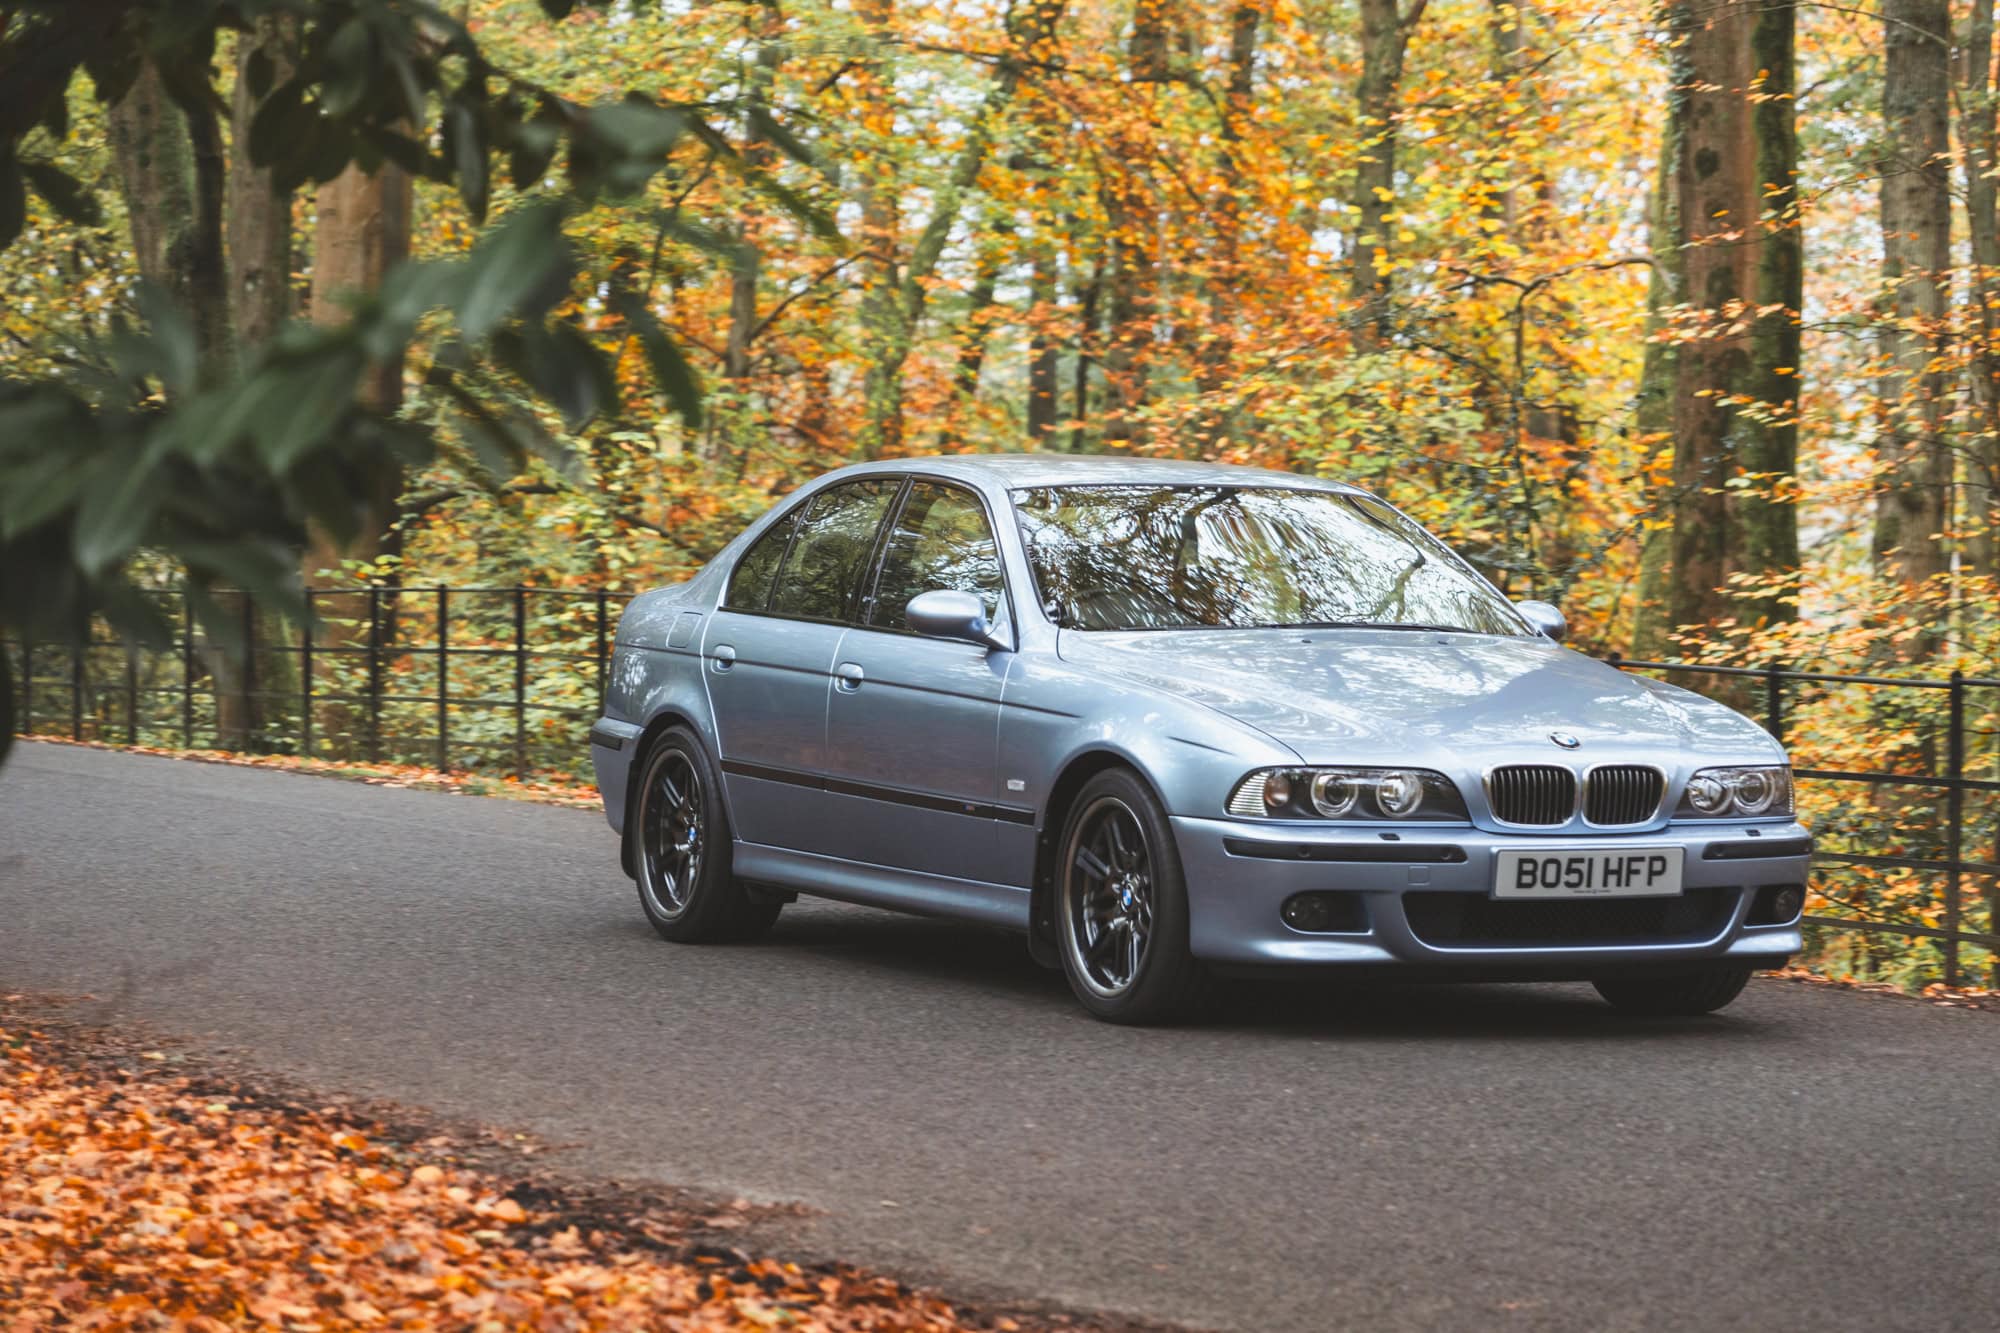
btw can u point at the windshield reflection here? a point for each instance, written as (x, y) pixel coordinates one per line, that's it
(1187, 557)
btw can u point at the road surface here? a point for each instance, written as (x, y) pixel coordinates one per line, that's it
(1451, 1157)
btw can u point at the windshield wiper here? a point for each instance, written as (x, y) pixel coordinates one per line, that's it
(1366, 624)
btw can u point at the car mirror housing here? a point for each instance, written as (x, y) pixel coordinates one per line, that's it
(1546, 618)
(945, 613)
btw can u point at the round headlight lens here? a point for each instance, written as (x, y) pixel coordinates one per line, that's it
(1398, 794)
(1334, 794)
(1278, 791)
(1756, 789)
(1707, 793)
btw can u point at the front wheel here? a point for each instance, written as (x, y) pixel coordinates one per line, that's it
(1681, 996)
(1121, 906)
(686, 884)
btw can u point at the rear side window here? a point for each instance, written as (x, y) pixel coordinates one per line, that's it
(835, 540)
(750, 585)
(941, 540)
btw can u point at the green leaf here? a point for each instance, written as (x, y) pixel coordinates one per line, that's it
(518, 259)
(349, 69)
(64, 194)
(465, 148)
(767, 127)
(170, 349)
(280, 123)
(117, 509)
(309, 400)
(676, 378)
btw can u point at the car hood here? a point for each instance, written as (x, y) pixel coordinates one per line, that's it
(1356, 696)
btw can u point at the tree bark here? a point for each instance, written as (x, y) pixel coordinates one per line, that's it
(1977, 131)
(1385, 38)
(1653, 412)
(259, 214)
(1041, 415)
(1133, 223)
(1911, 511)
(1226, 268)
(170, 171)
(1731, 207)
(745, 267)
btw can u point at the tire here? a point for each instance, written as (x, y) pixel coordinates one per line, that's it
(1122, 909)
(681, 850)
(1683, 996)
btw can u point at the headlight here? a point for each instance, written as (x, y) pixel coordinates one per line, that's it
(1347, 793)
(1734, 793)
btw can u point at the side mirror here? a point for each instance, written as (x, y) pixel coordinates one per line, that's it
(1546, 618)
(948, 614)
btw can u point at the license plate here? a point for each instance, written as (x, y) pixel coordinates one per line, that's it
(1564, 872)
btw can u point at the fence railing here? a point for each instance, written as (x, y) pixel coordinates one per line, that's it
(1949, 777)
(506, 679)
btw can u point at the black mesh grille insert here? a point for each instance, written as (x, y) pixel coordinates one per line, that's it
(1623, 794)
(1535, 794)
(1473, 918)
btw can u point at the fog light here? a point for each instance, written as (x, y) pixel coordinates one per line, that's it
(1325, 913)
(1778, 905)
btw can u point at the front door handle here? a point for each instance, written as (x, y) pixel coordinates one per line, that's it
(722, 657)
(847, 677)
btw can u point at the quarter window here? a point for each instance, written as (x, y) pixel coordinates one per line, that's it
(835, 540)
(941, 540)
(750, 584)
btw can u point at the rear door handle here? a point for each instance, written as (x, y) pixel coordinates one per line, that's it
(722, 657)
(847, 676)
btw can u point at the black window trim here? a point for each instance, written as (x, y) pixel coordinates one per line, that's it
(874, 579)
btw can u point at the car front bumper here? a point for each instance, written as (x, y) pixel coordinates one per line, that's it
(1240, 873)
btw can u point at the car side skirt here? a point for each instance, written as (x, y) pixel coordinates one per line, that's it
(883, 886)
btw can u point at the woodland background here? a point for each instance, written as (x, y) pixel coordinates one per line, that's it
(1685, 315)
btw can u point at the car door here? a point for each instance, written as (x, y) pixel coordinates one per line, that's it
(913, 721)
(769, 654)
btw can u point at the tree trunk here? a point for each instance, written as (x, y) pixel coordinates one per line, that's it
(1911, 500)
(1735, 374)
(1385, 37)
(363, 231)
(170, 171)
(1133, 223)
(1226, 268)
(259, 214)
(1654, 410)
(1087, 298)
(1041, 417)
(744, 268)
(1977, 132)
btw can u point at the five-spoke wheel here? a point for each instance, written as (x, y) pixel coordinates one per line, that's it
(682, 839)
(1122, 905)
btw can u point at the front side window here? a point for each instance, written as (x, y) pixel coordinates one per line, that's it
(836, 537)
(941, 540)
(750, 583)
(1183, 557)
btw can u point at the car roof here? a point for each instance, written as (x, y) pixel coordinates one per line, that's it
(1051, 469)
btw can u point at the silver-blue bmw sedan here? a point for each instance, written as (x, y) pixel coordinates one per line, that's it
(1178, 720)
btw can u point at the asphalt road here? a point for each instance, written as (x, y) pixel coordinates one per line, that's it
(1448, 1157)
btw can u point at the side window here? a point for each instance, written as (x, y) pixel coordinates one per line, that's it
(941, 541)
(836, 538)
(750, 583)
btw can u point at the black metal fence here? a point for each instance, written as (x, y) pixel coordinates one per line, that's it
(1934, 838)
(506, 680)
(494, 679)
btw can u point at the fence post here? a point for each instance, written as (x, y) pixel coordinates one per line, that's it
(1954, 824)
(374, 673)
(27, 684)
(444, 678)
(76, 655)
(131, 692)
(603, 662)
(187, 669)
(520, 682)
(247, 693)
(1774, 702)
(306, 680)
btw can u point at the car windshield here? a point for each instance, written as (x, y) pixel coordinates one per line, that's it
(1183, 557)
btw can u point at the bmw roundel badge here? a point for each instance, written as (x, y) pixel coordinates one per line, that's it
(1564, 739)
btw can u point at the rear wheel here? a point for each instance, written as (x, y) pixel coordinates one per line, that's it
(682, 850)
(1683, 995)
(1121, 906)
